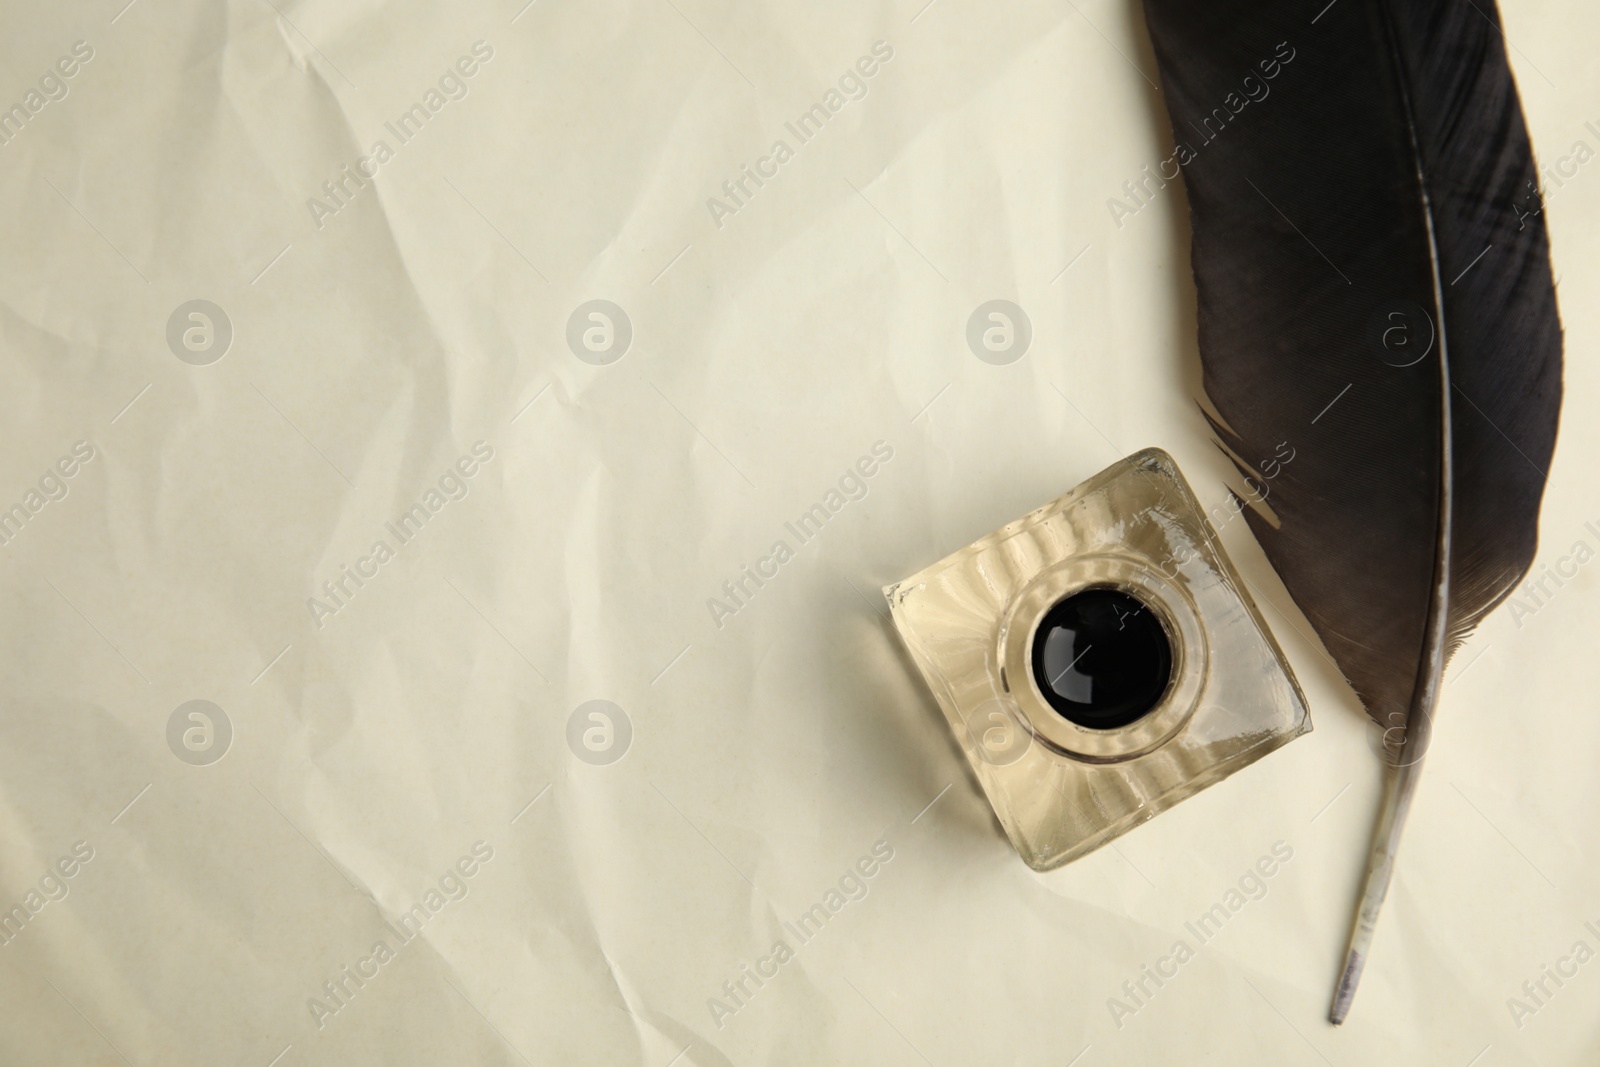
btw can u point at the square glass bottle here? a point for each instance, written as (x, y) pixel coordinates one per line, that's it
(1075, 746)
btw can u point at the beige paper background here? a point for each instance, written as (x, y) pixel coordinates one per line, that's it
(369, 754)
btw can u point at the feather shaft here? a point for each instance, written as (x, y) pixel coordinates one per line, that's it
(1399, 786)
(1401, 775)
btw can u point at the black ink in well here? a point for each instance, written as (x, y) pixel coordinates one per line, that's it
(1102, 658)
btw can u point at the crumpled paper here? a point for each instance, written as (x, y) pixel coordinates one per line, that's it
(451, 461)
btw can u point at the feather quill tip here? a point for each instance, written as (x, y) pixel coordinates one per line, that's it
(1346, 993)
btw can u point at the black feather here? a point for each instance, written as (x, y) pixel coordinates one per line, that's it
(1377, 188)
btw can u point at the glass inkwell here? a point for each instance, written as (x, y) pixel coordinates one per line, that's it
(1099, 660)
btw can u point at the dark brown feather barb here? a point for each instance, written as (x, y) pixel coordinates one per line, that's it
(1374, 289)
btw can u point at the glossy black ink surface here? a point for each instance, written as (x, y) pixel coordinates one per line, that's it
(1102, 658)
